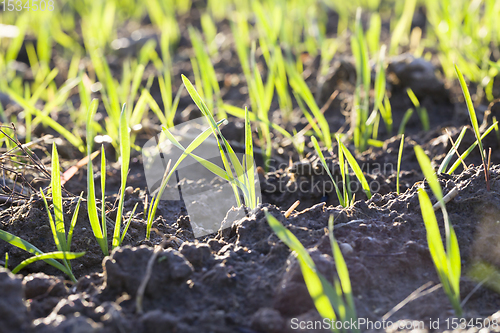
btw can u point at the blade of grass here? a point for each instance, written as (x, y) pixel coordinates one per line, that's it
(406, 117)
(400, 154)
(28, 247)
(97, 228)
(73, 222)
(125, 159)
(472, 112)
(470, 149)
(325, 166)
(128, 223)
(448, 264)
(45, 256)
(449, 156)
(357, 170)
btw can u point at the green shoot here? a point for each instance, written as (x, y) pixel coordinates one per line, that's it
(28, 247)
(475, 125)
(357, 170)
(62, 242)
(386, 112)
(348, 199)
(400, 154)
(6, 265)
(497, 130)
(447, 263)
(470, 149)
(242, 181)
(300, 87)
(422, 112)
(332, 302)
(124, 233)
(98, 229)
(45, 256)
(125, 159)
(325, 166)
(405, 119)
(449, 156)
(362, 128)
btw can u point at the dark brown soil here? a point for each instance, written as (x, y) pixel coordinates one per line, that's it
(244, 279)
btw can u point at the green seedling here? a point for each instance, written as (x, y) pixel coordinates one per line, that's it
(386, 113)
(333, 302)
(470, 149)
(475, 125)
(400, 155)
(301, 89)
(49, 258)
(348, 198)
(243, 177)
(118, 234)
(362, 129)
(405, 119)
(63, 242)
(447, 263)
(99, 228)
(452, 151)
(325, 166)
(355, 167)
(421, 111)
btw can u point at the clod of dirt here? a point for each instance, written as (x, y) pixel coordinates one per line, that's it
(198, 254)
(405, 71)
(14, 314)
(124, 270)
(43, 292)
(41, 284)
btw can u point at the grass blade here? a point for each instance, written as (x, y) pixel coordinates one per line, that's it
(96, 226)
(128, 223)
(311, 276)
(405, 119)
(472, 112)
(57, 225)
(400, 154)
(470, 149)
(429, 173)
(449, 156)
(325, 166)
(28, 247)
(49, 255)
(125, 159)
(357, 170)
(448, 265)
(73, 222)
(249, 160)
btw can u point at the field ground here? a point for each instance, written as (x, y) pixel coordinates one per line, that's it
(244, 278)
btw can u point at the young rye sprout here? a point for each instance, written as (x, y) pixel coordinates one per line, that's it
(332, 302)
(475, 125)
(242, 179)
(346, 199)
(400, 155)
(448, 264)
(63, 242)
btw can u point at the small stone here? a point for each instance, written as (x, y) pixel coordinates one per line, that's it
(346, 248)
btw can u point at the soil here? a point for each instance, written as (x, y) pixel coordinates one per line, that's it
(243, 278)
